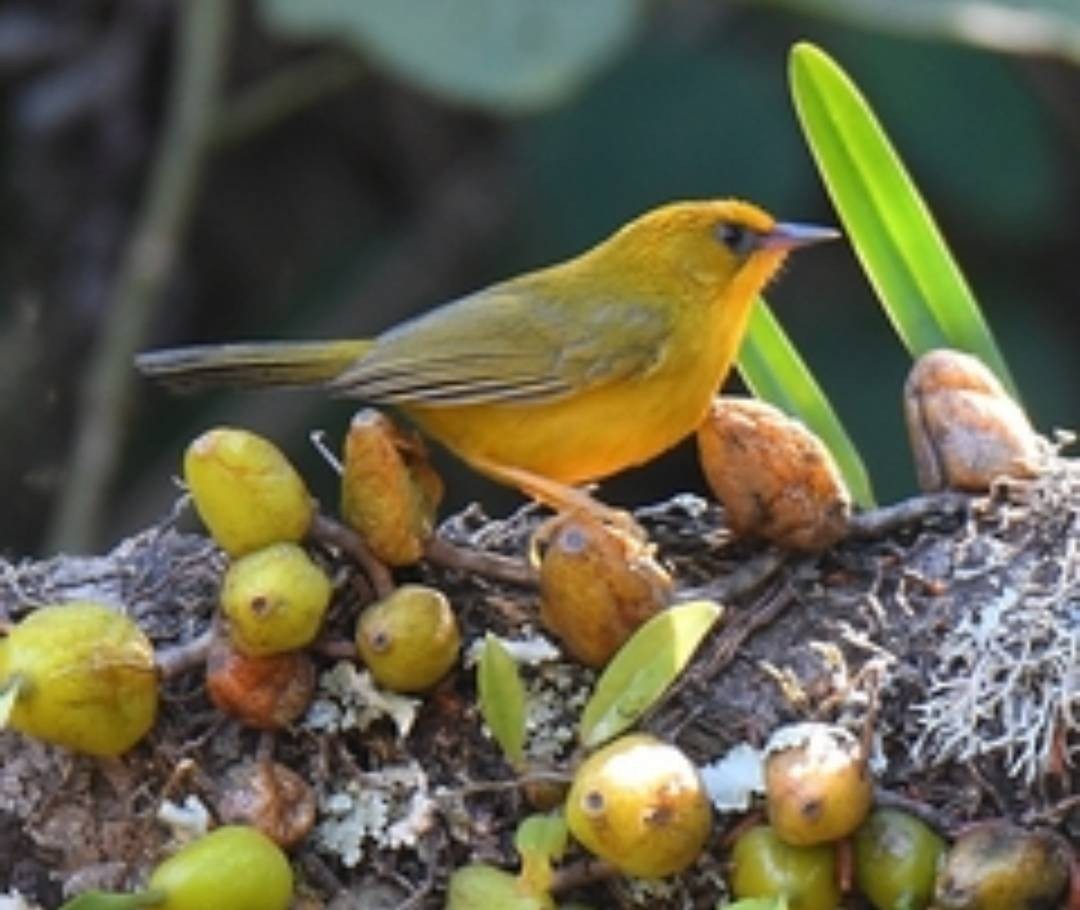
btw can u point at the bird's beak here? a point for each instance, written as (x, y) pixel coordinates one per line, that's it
(788, 236)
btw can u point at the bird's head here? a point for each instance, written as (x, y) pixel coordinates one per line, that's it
(720, 246)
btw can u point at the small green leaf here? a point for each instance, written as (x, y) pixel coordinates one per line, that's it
(773, 370)
(893, 233)
(543, 833)
(108, 900)
(540, 839)
(643, 669)
(775, 902)
(502, 698)
(9, 694)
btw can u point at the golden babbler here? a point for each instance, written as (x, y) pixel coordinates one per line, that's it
(563, 375)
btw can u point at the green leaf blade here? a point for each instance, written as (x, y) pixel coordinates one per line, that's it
(643, 669)
(891, 229)
(773, 370)
(502, 698)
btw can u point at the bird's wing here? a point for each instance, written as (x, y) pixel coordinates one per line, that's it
(508, 343)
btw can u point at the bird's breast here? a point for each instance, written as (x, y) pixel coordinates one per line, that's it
(595, 432)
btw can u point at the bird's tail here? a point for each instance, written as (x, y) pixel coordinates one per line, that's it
(250, 365)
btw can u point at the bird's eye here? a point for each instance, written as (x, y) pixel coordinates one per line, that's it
(740, 240)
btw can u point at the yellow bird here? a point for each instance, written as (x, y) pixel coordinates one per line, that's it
(560, 376)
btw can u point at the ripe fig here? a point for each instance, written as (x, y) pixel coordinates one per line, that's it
(275, 600)
(896, 859)
(409, 640)
(389, 491)
(85, 675)
(1000, 866)
(640, 804)
(245, 490)
(267, 693)
(234, 866)
(776, 479)
(597, 586)
(965, 430)
(762, 865)
(817, 785)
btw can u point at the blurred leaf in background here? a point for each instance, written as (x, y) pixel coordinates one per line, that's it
(506, 56)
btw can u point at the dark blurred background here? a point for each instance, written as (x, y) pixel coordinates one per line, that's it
(216, 169)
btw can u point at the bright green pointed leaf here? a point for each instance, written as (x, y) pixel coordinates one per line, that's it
(502, 698)
(643, 669)
(107, 900)
(890, 227)
(508, 56)
(773, 370)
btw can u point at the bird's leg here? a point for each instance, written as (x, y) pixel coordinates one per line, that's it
(559, 496)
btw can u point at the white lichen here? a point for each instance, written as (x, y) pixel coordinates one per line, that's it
(1006, 678)
(530, 651)
(390, 809)
(732, 780)
(186, 821)
(554, 700)
(826, 744)
(348, 699)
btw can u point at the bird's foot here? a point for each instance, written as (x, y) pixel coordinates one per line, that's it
(563, 499)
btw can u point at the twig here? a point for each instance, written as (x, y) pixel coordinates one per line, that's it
(1055, 814)
(988, 788)
(502, 568)
(882, 521)
(727, 644)
(321, 874)
(335, 648)
(582, 873)
(283, 94)
(501, 786)
(333, 533)
(746, 578)
(148, 259)
(174, 660)
(746, 623)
